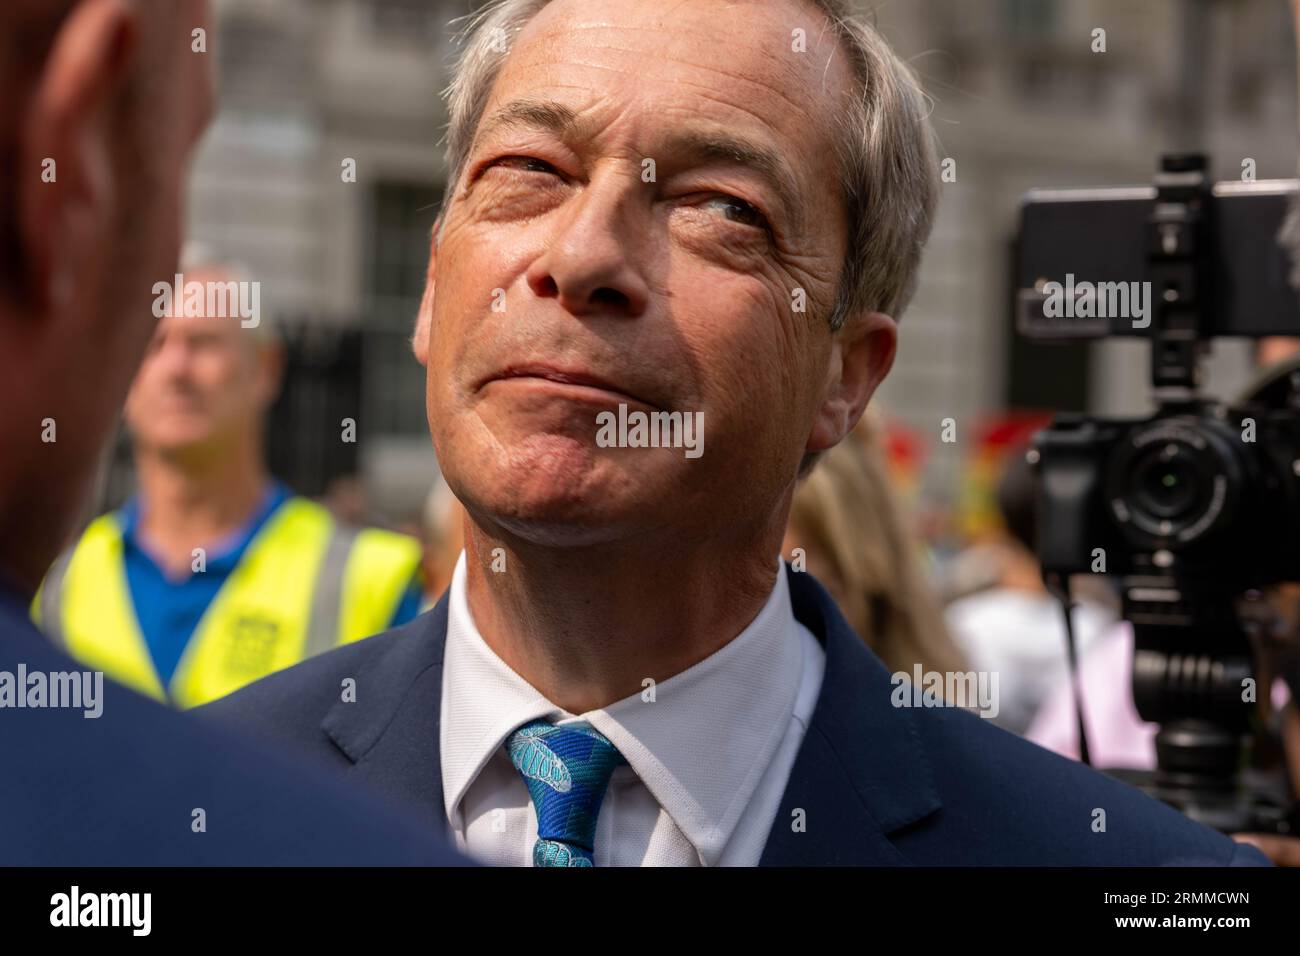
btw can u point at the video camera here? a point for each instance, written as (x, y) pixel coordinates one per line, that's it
(1197, 507)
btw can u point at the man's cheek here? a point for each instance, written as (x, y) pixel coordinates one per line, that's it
(440, 388)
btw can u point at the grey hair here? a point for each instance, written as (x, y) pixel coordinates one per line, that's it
(885, 147)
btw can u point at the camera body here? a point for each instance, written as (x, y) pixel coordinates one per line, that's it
(1200, 491)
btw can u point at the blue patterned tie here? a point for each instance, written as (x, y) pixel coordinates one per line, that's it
(567, 770)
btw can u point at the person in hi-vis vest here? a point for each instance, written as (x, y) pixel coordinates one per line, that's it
(215, 575)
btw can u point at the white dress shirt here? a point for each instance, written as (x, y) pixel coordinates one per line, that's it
(708, 758)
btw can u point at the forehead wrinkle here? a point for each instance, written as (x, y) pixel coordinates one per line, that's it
(557, 34)
(710, 91)
(759, 80)
(788, 67)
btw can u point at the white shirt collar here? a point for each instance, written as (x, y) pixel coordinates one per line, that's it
(700, 748)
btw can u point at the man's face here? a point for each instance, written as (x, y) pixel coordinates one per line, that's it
(204, 382)
(606, 246)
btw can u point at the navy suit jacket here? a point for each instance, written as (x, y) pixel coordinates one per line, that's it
(877, 785)
(121, 789)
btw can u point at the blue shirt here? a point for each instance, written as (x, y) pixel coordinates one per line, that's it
(169, 610)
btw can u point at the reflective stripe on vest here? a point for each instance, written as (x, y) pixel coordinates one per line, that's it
(303, 585)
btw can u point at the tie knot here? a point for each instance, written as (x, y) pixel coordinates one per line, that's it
(567, 771)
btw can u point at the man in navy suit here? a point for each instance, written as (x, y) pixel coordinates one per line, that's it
(662, 228)
(104, 100)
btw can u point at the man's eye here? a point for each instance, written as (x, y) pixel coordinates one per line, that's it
(740, 211)
(528, 164)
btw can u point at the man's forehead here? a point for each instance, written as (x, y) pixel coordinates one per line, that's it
(728, 61)
(177, 322)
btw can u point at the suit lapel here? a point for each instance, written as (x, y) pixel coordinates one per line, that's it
(390, 733)
(862, 771)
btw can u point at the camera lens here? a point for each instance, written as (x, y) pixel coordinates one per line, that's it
(1174, 481)
(1166, 484)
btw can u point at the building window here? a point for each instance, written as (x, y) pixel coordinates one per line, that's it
(401, 218)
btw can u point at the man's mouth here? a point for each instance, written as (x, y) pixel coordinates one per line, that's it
(577, 382)
(176, 402)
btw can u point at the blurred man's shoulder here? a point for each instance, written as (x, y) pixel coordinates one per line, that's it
(123, 780)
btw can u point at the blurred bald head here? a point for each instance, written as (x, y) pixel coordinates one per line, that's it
(104, 102)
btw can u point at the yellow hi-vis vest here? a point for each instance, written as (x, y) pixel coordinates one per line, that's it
(305, 584)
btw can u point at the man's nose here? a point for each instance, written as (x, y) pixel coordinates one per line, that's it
(596, 260)
(173, 356)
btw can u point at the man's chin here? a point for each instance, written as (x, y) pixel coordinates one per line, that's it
(569, 509)
(553, 532)
(179, 443)
(562, 523)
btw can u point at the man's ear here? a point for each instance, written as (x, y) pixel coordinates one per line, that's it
(424, 318)
(66, 188)
(862, 353)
